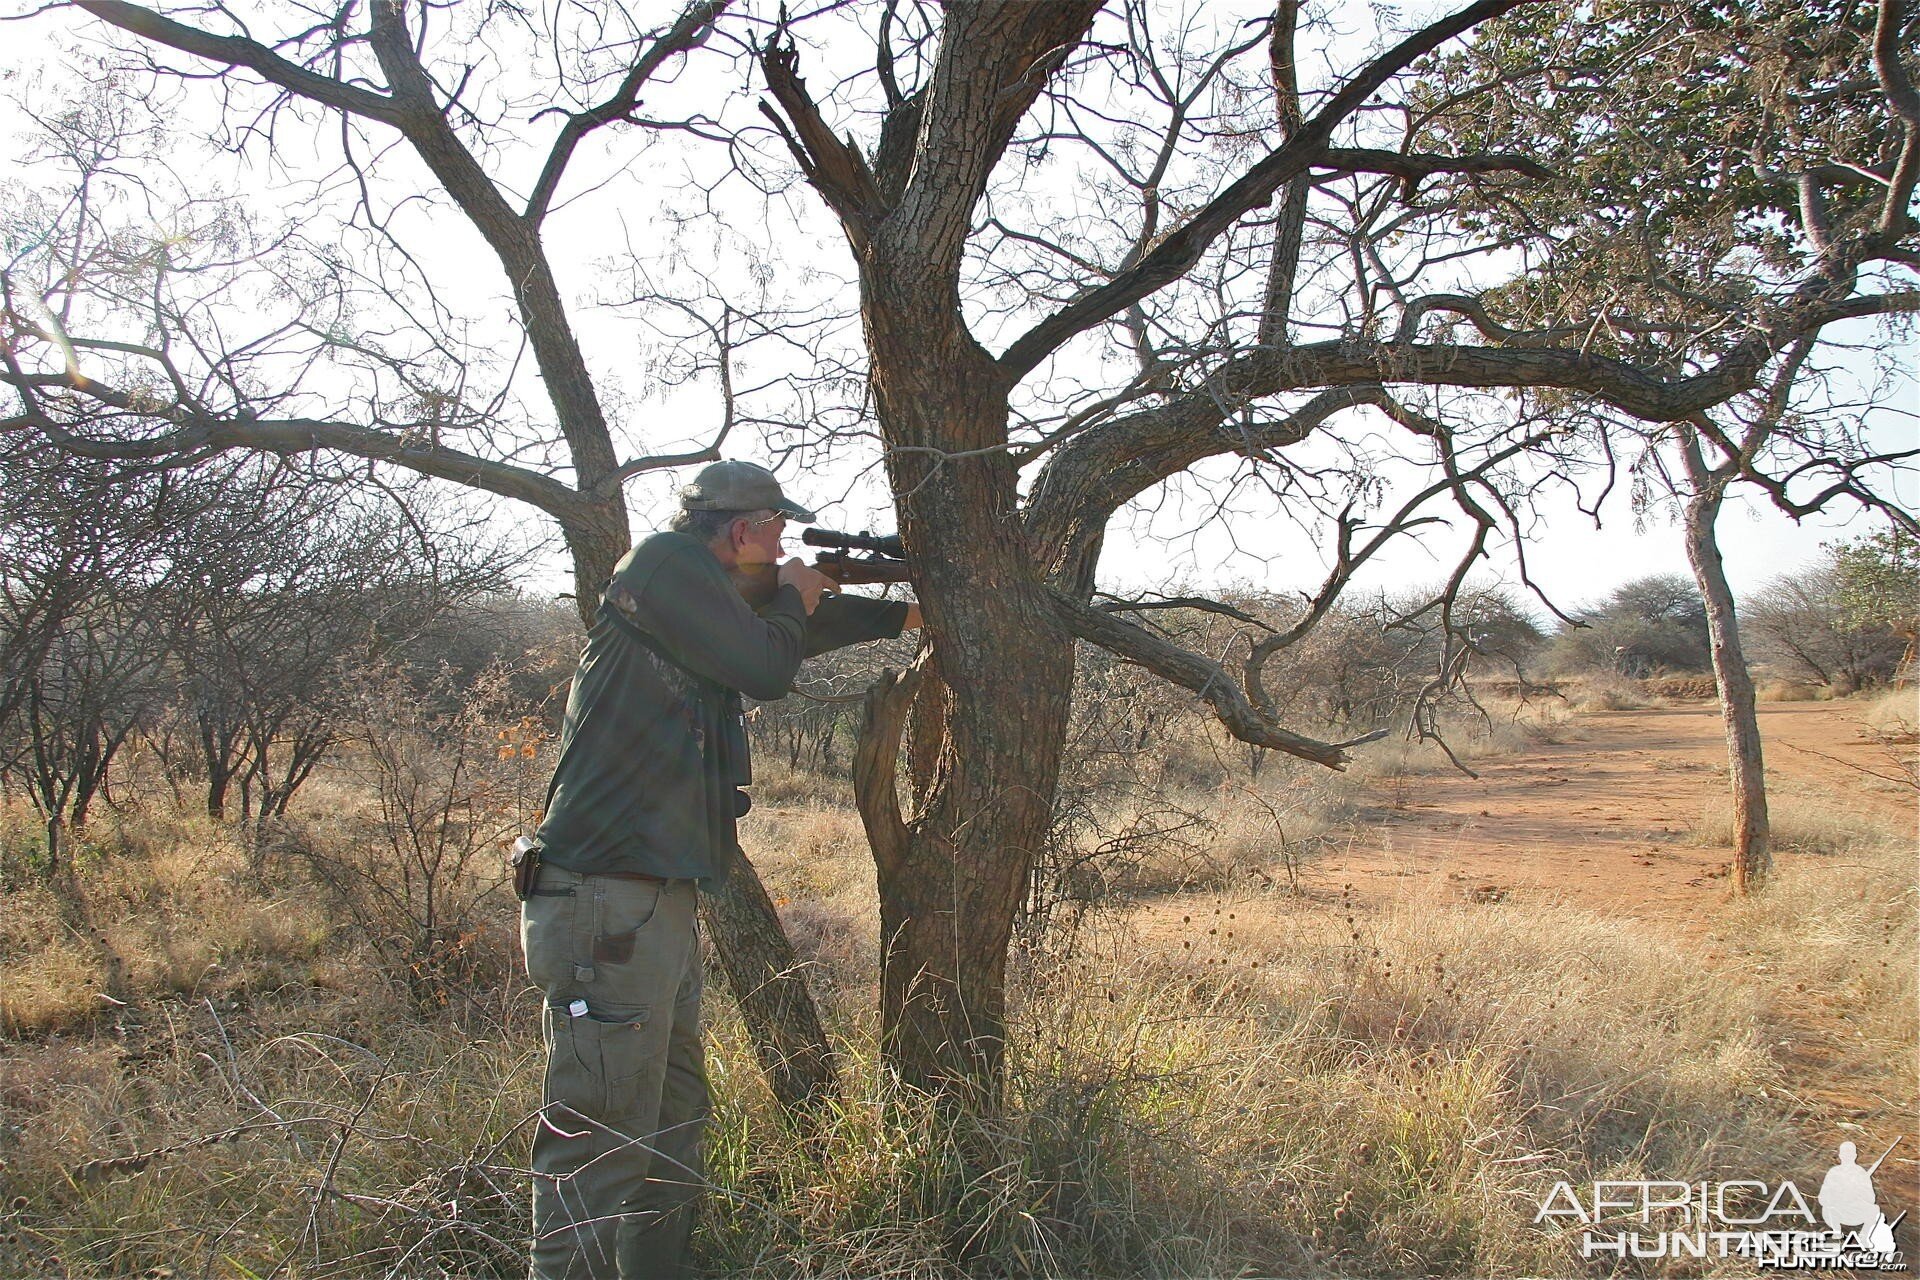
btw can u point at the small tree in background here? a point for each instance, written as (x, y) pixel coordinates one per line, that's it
(1648, 626)
(1845, 623)
(455, 771)
(1695, 229)
(294, 589)
(215, 609)
(1878, 583)
(85, 636)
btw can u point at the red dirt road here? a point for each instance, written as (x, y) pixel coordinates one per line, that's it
(1607, 821)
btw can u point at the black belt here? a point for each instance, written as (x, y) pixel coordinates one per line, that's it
(634, 875)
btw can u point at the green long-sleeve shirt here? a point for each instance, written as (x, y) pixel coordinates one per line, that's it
(653, 748)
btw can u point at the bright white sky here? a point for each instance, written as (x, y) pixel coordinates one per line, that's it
(1570, 558)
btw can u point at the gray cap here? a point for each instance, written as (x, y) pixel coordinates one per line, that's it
(740, 486)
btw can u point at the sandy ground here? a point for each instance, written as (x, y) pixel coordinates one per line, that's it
(1605, 822)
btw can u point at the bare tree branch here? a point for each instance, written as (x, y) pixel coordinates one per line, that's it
(1203, 676)
(1114, 604)
(1093, 475)
(1175, 255)
(833, 166)
(995, 58)
(688, 32)
(1283, 265)
(237, 51)
(201, 436)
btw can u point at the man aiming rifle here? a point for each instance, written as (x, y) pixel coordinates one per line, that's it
(641, 812)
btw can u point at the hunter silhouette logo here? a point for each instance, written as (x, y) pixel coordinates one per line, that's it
(1773, 1224)
(1848, 1205)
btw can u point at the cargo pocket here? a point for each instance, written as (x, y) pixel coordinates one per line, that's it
(633, 1060)
(599, 1067)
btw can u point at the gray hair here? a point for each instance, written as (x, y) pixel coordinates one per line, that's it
(705, 526)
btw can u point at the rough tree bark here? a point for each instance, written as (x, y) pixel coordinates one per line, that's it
(989, 730)
(1746, 769)
(769, 985)
(952, 877)
(989, 707)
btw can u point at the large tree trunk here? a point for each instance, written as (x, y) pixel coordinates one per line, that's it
(991, 717)
(1746, 771)
(989, 725)
(596, 548)
(953, 877)
(952, 887)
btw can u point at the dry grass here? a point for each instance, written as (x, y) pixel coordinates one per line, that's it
(1262, 826)
(1389, 1092)
(150, 911)
(1607, 691)
(364, 1154)
(1804, 824)
(814, 860)
(1275, 1086)
(1784, 690)
(1834, 938)
(1277, 1083)
(1894, 716)
(1268, 833)
(1679, 690)
(1604, 691)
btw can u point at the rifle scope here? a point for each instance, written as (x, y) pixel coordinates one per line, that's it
(879, 544)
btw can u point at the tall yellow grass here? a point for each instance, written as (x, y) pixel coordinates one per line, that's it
(1227, 1079)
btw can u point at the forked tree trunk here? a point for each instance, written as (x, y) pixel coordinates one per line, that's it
(951, 888)
(989, 727)
(953, 875)
(1746, 770)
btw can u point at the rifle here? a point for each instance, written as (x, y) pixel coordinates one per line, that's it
(885, 560)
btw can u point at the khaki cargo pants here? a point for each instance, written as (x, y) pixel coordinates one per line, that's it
(617, 1152)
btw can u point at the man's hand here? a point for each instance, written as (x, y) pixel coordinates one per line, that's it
(807, 580)
(913, 617)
